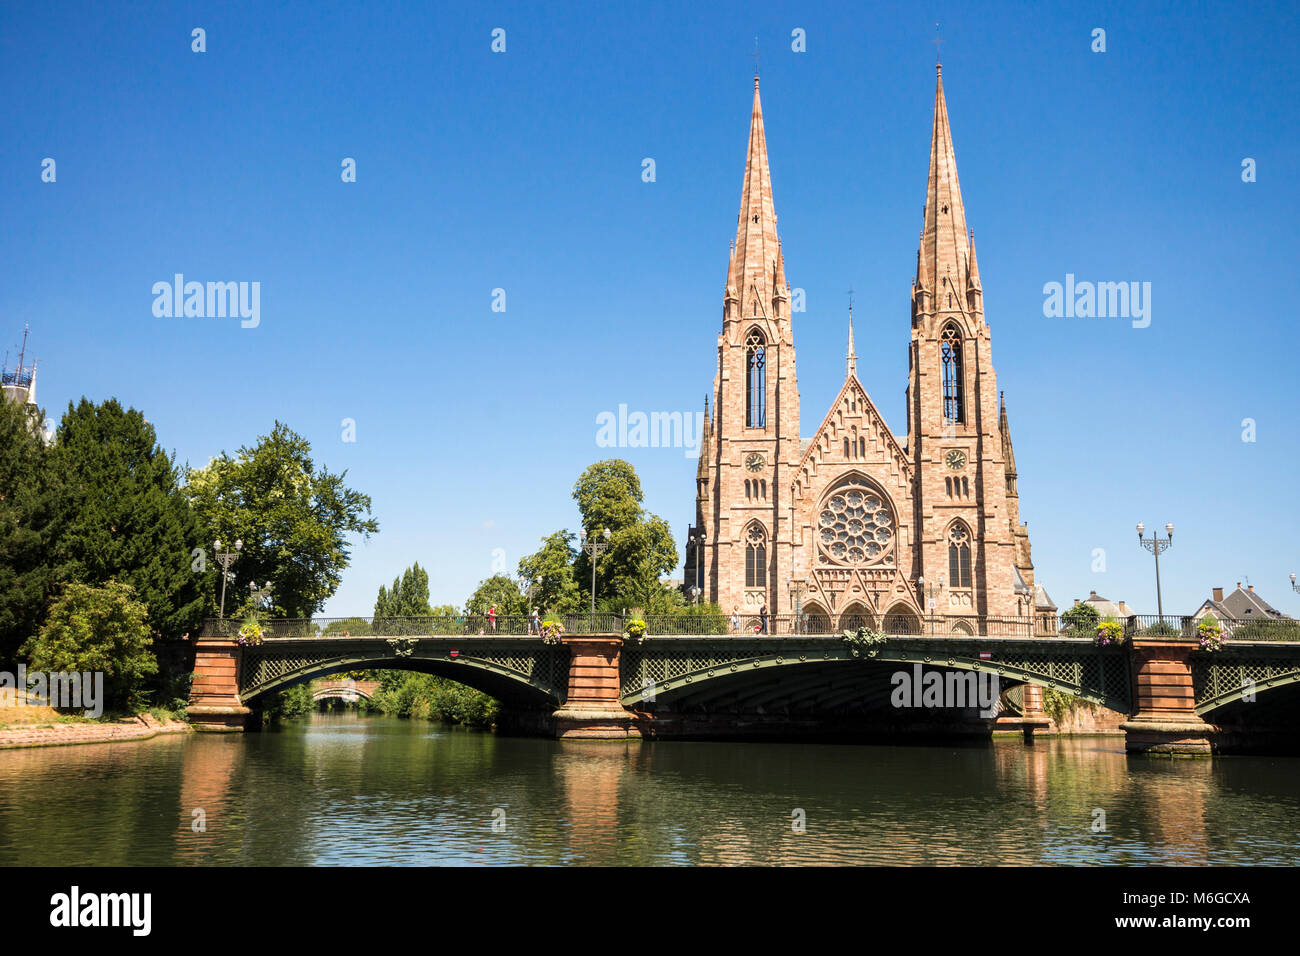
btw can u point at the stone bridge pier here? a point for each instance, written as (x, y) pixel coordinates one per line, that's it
(1164, 717)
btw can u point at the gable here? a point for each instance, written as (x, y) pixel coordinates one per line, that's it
(873, 448)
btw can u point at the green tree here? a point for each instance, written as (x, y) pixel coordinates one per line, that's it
(98, 629)
(124, 517)
(1082, 619)
(293, 519)
(28, 508)
(500, 590)
(641, 547)
(550, 569)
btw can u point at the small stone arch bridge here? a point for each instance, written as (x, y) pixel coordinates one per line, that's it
(592, 681)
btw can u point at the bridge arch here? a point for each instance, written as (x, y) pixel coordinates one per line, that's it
(814, 668)
(524, 676)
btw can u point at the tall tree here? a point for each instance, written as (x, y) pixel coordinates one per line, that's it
(27, 513)
(550, 570)
(409, 596)
(292, 518)
(641, 545)
(124, 517)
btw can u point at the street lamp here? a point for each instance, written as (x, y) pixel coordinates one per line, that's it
(928, 597)
(259, 594)
(594, 548)
(698, 540)
(1294, 586)
(226, 559)
(1155, 544)
(796, 589)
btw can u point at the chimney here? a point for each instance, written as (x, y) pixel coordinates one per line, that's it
(1218, 595)
(1092, 595)
(1250, 588)
(1238, 585)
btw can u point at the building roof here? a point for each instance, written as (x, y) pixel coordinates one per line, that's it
(1244, 604)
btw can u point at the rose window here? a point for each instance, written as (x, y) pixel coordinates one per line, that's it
(856, 526)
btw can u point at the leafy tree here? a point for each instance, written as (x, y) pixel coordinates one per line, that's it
(98, 629)
(28, 503)
(124, 517)
(641, 545)
(1081, 619)
(550, 569)
(500, 590)
(293, 519)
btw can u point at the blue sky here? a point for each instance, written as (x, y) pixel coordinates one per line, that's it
(522, 171)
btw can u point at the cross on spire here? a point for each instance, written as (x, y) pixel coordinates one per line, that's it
(755, 55)
(938, 48)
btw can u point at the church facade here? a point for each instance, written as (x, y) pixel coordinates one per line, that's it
(856, 524)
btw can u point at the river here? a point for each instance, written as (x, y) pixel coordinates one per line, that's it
(348, 790)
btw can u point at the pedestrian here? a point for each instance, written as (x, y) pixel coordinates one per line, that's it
(492, 618)
(762, 619)
(735, 620)
(535, 623)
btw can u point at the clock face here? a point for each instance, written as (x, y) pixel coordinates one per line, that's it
(955, 459)
(754, 461)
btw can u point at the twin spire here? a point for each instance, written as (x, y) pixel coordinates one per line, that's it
(945, 262)
(756, 275)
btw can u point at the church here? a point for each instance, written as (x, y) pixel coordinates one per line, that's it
(856, 524)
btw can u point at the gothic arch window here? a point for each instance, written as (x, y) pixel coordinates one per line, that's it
(965, 487)
(856, 525)
(862, 448)
(846, 448)
(947, 483)
(746, 489)
(756, 557)
(756, 379)
(763, 491)
(954, 397)
(959, 542)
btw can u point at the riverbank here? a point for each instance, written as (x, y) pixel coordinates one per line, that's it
(141, 727)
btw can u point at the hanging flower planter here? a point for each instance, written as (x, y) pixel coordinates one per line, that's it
(1110, 634)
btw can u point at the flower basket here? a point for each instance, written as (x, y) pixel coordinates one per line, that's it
(635, 631)
(552, 631)
(250, 633)
(1110, 634)
(1209, 634)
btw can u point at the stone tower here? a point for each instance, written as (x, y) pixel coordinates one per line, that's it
(969, 535)
(751, 441)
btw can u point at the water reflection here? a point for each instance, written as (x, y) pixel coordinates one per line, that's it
(348, 790)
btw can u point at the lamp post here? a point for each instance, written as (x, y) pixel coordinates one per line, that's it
(259, 594)
(928, 597)
(594, 548)
(796, 589)
(225, 559)
(1155, 544)
(1294, 586)
(698, 540)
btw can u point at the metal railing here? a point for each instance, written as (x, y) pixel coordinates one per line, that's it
(1140, 626)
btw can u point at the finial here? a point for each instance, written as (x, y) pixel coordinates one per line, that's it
(938, 49)
(755, 55)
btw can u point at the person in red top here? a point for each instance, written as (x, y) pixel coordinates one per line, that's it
(492, 618)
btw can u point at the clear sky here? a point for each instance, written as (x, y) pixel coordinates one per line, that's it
(522, 171)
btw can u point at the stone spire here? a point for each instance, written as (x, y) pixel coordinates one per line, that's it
(756, 263)
(1008, 454)
(944, 258)
(852, 369)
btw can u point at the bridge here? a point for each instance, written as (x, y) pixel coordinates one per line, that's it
(346, 690)
(699, 675)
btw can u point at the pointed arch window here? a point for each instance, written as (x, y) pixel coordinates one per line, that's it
(959, 540)
(756, 380)
(954, 392)
(756, 557)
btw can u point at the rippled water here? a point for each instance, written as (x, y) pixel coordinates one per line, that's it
(351, 790)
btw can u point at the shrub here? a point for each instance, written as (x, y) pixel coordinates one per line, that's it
(98, 629)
